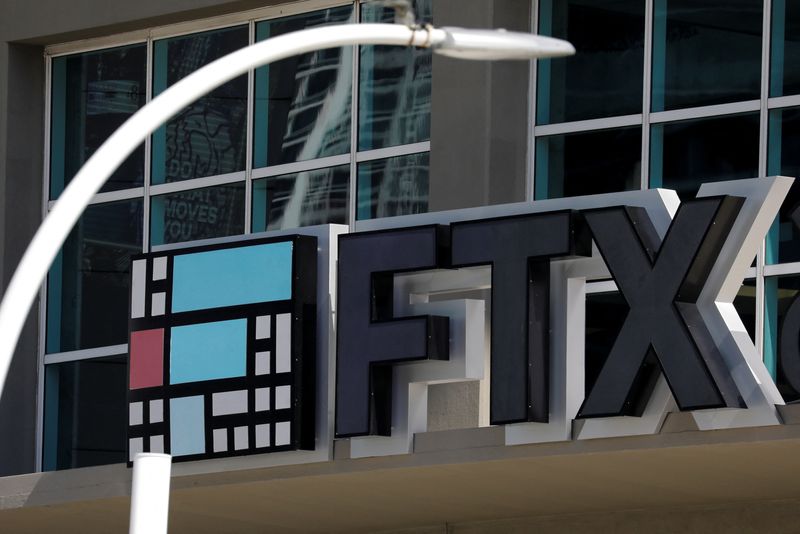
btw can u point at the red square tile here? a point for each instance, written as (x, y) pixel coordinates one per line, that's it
(147, 358)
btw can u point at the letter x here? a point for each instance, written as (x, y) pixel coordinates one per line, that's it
(661, 284)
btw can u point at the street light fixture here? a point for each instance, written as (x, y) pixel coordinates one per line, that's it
(32, 269)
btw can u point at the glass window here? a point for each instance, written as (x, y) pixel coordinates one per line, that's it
(588, 163)
(197, 214)
(301, 199)
(783, 240)
(85, 419)
(785, 48)
(394, 86)
(393, 186)
(705, 52)
(302, 104)
(745, 304)
(779, 292)
(685, 154)
(88, 285)
(209, 136)
(605, 77)
(92, 95)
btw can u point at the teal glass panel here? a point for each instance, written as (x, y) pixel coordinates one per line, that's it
(187, 426)
(89, 282)
(92, 94)
(591, 163)
(208, 137)
(207, 351)
(302, 104)
(394, 94)
(685, 154)
(706, 53)
(85, 413)
(783, 240)
(605, 77)
(232, 276)
(393, 186)
(301, 199)
(785, 48)
(779, 292)
(197, 214)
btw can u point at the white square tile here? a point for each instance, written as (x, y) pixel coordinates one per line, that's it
(283, 434)
(263, 327)
(159, 268)
(240, 440)
(136, 413)
(220, 439)
(262, 399)
(283, 397)
(135, 446)
(262, 435)
(157, 411)
(262, 363)
(157, 443)
(159, 304)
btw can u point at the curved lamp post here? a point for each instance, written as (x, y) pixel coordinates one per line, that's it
(35, 263)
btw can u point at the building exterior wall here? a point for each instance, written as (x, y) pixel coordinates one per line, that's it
(493, 140)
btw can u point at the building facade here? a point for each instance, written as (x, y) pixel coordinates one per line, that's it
(661, 94)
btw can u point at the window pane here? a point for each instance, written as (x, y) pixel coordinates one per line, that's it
(785, 48)
(779, 292)
(197, 214)
(588, 163)
(685, 154)
(290, 96)
(85, 419)
(393, 186)
(783, 240)
(394, 86)
(301, 199)
(605, 77)
(208, 137)
(706, 52)
(88, 285)
(92, 95)
(745, 304)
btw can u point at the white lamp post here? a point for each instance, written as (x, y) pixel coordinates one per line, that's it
(35, 263)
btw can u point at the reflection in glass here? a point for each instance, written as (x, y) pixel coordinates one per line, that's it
(85, 413)
(783, 240)
(88, 284)
(605, 77)
(302, 104)
(302, 199)
(197, 214)
(393, 186)
(209, 136)
(785, 48)
(685, 154)
(92, 95)
(779, 292)
(706, 53)
(394, 86)
(589, 163)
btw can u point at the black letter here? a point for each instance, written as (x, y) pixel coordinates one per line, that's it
(519, 250)
(369, 340)
(661, 287)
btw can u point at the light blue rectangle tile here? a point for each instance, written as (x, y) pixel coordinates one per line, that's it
(233, 276)
(208, 351)
(187, 426)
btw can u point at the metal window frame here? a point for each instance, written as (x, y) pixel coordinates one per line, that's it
(148, 191)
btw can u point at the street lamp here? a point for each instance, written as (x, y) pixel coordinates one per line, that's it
(35, 263)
